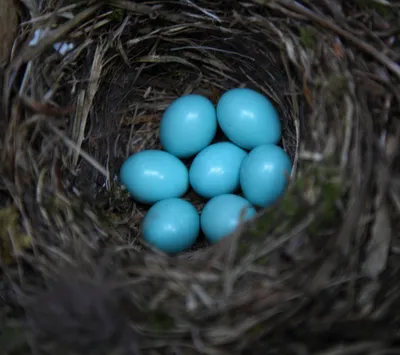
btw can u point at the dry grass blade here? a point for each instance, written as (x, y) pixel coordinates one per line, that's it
(64, 11)
(85, 104)
(79, 151)
(355, 349)
(379, 246)
(164, 59)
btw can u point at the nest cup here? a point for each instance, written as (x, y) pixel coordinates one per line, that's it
(132, 86)
(70, 233)
(173, 62)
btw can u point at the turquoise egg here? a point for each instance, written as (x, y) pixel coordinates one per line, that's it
(248, 118)
(154, 175)
(171, 225)
(221, 216)
(215, 170)
(188, 125)
(264, 174)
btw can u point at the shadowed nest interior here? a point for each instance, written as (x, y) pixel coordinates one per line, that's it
(314, 274)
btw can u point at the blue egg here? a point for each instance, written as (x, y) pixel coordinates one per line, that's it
(188, 125)
(264, 174)
(171, 225)
(154, 175)
(221, 216)
(248, 118)
(215, 170)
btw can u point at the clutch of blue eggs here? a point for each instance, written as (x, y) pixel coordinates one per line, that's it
(250, 160)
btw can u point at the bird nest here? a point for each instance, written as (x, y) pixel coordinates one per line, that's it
(314, 274)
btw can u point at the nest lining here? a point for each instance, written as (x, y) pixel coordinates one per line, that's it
(307, 274)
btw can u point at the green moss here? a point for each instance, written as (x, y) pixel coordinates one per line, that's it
(308, 37)
(243, 247)
(178, 74)
(264, 224)
(337, 82)
(263, 261)
(161, 321)
(257, 330)
(327, 212)
(118, 194)
(290, 209)
(10, 226)
(13, 339)
(300, 183)
(116, 205)
(335, 86)
(289, 206)
(118, 15)
(317, 190)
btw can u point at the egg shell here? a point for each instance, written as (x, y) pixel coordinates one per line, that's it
(221, 216)
(188, 125)
(248, 118)
(171, 225)
(215, 170)
(154, 175)
(264, 174)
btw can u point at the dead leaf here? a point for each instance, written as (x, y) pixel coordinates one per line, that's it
(8, 29)
(85, 102)
(45, 108)
(215, 94)
(338, 48)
